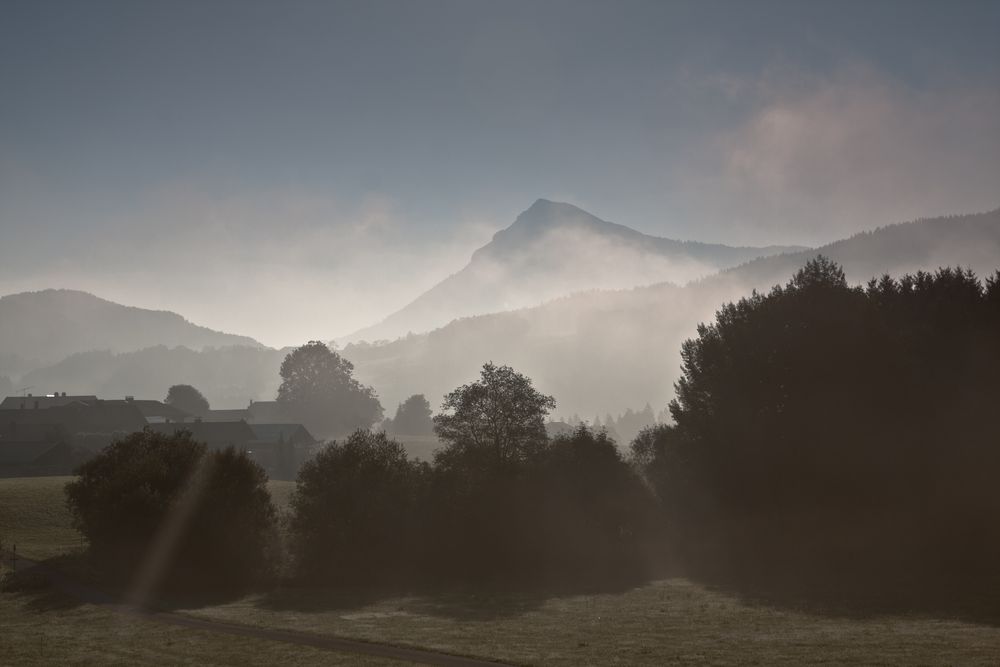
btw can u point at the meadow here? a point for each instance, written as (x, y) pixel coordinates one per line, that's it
(669, 621)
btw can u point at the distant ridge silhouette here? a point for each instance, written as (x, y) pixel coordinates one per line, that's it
(553, 249)
(608, 350)
(49, 325)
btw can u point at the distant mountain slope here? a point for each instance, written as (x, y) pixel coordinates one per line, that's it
(970, 240)
(551, 250)
(597, 352)
(229, 377)
(43, 327)
(604, 351)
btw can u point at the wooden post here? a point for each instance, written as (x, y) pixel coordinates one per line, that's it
(13, 559)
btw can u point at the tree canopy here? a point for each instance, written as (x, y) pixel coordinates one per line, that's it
(828, 425)
(413, 417)
(187, 398)
(318, 389)
(353, 510)
(207, 515)
(500, 418)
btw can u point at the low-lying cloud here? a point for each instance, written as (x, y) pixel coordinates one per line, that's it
(281, 265)
(820, 158)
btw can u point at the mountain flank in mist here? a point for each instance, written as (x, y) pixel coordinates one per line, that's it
(551, 250)
(38, 328)
(609, 350)
(597, 351)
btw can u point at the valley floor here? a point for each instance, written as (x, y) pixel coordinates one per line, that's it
(671, 621)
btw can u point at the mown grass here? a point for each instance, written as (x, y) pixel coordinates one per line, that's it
(34, 517)
(672, 621)
(47, 629)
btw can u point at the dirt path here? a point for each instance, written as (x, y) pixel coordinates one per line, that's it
(408, 654)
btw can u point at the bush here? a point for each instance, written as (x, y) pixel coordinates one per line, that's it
(355, 511)
(207, 515)
(574, 510)
(593, 512)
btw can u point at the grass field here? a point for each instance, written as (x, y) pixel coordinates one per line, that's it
(665, 622)
(51, 630)
(33, 516)
(671, 621)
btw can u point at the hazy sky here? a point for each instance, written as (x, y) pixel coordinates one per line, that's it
(295, 170)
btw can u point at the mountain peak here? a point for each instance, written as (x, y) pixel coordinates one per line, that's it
(548, 212)
(47, 325)
(538, 220)
(547, 208)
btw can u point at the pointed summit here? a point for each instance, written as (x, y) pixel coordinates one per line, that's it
(553, 249)
(546, 209)
(542, 218)
(546, 212)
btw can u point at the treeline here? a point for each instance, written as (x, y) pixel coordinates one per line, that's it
(626, 427)
(821, 432)
(500, 501)
(824, 432)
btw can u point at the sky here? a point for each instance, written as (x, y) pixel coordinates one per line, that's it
(298, 170)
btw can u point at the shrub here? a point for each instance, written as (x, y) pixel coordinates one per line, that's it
(354, 511)
(206, 516)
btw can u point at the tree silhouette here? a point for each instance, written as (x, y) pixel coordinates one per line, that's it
(500, 418)
(413, 417)
(318, 389)
(187, 398)
(123, 497)
(825, 427)
(354, 508)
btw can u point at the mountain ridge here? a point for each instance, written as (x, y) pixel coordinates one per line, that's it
(550, 250)
(594, 350)
(609, 350)
(45, 326)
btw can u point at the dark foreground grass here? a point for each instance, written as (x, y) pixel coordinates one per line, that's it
(47, 629)
(34, 517)
(671, 621)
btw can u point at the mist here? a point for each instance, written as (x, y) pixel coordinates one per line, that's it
(463, 332)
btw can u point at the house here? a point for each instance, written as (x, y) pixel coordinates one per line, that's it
(295, 434)
(258, 412)
(62, 421)
(31, 402)
(54, 439)
(157, 412)
(267, 412)
(152, 411)
(217, 435)
(53, 434)
(34, 459)
(281, 449)
(225, 416)
(278, 448)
